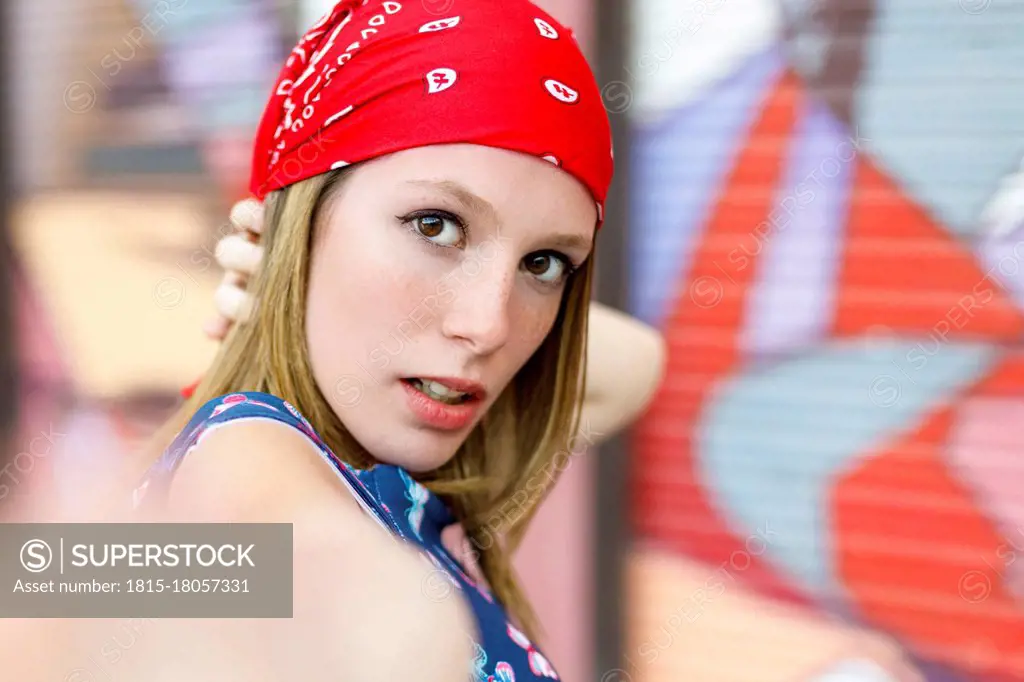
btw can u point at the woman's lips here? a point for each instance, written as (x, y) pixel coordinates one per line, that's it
(439, 415)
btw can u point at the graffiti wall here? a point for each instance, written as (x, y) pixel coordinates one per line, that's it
(828, 226)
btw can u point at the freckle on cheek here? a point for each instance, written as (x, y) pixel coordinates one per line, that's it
(534, 328)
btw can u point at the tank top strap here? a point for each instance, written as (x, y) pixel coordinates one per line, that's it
(236, 407)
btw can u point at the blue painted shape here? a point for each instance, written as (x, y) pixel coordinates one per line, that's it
(941, 104)
(678, 168)
(772, 440)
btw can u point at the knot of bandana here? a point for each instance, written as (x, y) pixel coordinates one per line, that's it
(374, 77)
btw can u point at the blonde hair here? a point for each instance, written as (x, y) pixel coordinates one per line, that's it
(515, 447)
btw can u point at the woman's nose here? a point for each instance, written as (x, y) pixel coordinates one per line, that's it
(479, 311)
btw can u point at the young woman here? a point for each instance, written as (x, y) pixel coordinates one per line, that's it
(434, 186)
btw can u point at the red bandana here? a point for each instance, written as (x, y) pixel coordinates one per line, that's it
(374, 77)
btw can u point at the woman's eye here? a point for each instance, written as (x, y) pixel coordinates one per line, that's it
(440, 229)
(548, 267)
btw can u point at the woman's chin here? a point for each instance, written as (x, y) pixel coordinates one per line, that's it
(418, 462)
(412, 449)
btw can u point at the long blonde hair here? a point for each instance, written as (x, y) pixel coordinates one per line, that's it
(507, 464)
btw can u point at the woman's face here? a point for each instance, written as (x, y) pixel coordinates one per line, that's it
(436, 273)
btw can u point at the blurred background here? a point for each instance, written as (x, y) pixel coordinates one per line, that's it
(820, 203)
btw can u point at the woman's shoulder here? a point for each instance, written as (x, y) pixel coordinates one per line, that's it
(238, 407)
(247, 403)
(267, 433)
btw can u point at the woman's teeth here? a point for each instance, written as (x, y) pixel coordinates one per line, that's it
(439, 392)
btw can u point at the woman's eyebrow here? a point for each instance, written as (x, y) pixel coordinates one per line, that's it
(570, 241)
(460, 193)
(481, 206)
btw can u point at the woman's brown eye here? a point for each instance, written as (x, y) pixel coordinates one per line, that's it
(430, 226)
(437, 228)
(549, 268)
(538, 264)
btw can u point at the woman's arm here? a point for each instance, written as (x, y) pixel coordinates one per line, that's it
(361, 612)
(360, 608)
(625, 365)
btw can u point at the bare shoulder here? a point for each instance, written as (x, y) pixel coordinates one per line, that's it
(257, 470)
(355, 584)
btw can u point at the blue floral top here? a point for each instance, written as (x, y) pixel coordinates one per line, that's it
(394, 500)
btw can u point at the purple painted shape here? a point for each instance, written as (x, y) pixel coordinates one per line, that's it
(678, 167)
(1002, 256)
(241, 53)
(793, 304)
(220, 58)
(938, 672)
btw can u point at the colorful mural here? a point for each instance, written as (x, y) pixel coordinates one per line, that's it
(827, 229)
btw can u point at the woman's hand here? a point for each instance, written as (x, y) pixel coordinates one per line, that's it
(239, 254)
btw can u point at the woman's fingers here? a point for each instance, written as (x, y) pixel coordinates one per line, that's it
(247, 216)
(239, 255)
(230, 298)
(236, 253)
(233, 303)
